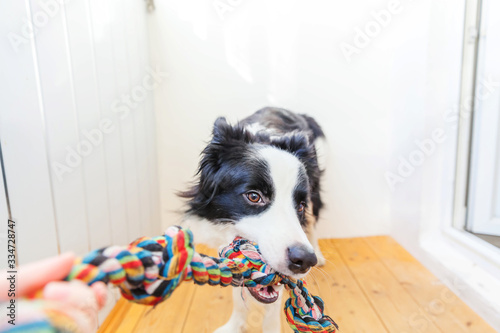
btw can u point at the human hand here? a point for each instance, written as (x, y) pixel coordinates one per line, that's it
(77, 300)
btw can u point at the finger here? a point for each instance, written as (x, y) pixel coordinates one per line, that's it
(34, 276)
(101, 293)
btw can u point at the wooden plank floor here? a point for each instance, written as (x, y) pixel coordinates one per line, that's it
(368, 284)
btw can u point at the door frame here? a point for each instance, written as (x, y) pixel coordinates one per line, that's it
(466, 105)
(484, 159)
(468, 265)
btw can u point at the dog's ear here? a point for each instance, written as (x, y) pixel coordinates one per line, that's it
(221, 127)
(227, 145)
(229, 135)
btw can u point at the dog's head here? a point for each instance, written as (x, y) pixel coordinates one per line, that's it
(260, 187)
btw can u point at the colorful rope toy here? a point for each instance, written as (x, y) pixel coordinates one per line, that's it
(149, 269)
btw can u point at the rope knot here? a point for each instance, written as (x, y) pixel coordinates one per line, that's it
(150, 269)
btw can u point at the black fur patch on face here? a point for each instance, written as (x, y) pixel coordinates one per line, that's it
(230, 167)
(301, 195)
(283, 122)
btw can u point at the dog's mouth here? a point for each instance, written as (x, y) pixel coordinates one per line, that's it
(266, 294)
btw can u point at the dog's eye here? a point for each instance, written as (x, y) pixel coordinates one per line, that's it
(253, 197)
(302, 207)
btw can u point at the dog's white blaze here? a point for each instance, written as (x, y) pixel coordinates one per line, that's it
(277, 228)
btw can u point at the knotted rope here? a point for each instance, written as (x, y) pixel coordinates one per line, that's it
(149, 269)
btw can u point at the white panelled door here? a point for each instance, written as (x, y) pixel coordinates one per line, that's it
(77, 124)
(484, 187)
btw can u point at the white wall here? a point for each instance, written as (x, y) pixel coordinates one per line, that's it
(400, 86)
(422, 206)
(425, 198)
(80, 170)
(288, 54)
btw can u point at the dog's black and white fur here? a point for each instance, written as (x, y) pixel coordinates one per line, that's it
(259, 179)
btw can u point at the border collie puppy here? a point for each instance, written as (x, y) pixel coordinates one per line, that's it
(259, 179)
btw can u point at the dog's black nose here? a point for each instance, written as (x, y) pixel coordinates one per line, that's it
(301, 259)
